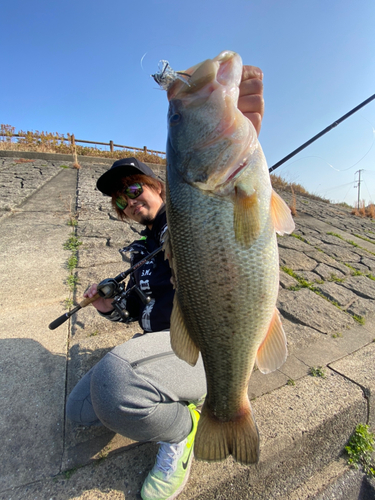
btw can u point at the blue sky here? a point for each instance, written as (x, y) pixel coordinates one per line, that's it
(75, 66)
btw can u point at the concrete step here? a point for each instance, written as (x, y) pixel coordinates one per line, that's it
(337, 481)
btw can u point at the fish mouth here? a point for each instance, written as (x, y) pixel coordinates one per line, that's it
(228, 140)
(223, 69)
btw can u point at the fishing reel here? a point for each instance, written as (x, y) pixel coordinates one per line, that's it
(111, 289)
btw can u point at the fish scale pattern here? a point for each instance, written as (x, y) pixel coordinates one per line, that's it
(227, 293)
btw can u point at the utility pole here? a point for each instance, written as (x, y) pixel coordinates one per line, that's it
(359, 185)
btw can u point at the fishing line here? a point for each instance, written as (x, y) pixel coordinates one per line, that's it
(144, 55)
(320, 134)
(348, 191)
(336, 169)
(371, 198)
(312, 156)
(373, 141)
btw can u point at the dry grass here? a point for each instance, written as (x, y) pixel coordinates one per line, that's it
(47, 142)
(293, 206)
(282, 185)
(363, 211)
(23, 160)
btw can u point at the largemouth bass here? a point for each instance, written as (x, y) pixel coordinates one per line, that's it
(222, 219)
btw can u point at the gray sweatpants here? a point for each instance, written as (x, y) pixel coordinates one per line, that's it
(140, 390)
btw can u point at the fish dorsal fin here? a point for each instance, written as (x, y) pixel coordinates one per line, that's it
(273, 351)
(246, 216)
(181, 342)
(281, 217)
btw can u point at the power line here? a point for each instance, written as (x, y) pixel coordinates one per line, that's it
(371, 198)
(337, 187)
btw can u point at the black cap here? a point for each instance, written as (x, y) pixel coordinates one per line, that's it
(108, 182)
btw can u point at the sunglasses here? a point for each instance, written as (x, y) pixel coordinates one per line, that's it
(131, 192)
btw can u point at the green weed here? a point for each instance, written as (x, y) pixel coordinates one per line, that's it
(69, 473)
(73, 243)
(317, 372)
(72, 281)
(64, 166)
(72, 222)
(360, 319)
(336, 335)
(290, 382)
(335, 279)
(302, 283)
(360, 447)
(335, 234)
(72, 262)
(299, 237)
(68, 303)
(351, 242)
(354, 272)
(365, 239)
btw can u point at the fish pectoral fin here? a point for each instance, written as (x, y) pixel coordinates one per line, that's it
(166, 243)
(246, 216)
(216, 439)
(281, 217)
(273, 352)
(181, 342)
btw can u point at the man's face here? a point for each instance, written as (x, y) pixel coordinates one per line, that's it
(144, 208)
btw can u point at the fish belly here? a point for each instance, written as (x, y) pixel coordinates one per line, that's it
(226, 295)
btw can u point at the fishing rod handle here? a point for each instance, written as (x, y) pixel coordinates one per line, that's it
(85, 302)
(59, 321)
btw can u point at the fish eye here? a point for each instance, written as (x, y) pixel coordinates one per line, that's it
(175, 118)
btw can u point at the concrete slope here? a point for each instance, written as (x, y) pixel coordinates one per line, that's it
(32, 359)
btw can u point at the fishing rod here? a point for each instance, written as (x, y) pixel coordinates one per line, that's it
(327, 129)
(110, 288)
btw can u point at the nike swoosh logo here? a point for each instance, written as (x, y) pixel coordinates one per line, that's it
(185, 464)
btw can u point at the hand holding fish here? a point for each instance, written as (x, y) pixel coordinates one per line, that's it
(250, 101)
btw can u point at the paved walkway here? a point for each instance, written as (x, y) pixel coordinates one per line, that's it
(326, 298)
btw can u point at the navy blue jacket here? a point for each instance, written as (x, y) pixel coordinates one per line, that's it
(153, 278)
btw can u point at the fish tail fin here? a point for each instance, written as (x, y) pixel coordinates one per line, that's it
(216, 440)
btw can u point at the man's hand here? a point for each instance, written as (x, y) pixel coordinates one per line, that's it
(251, 101)
(102, 305)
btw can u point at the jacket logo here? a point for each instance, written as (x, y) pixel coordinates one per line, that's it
(144, 285)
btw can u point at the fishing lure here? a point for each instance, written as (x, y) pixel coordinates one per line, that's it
(166, 76)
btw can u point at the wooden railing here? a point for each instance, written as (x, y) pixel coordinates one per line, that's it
(73, 142)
